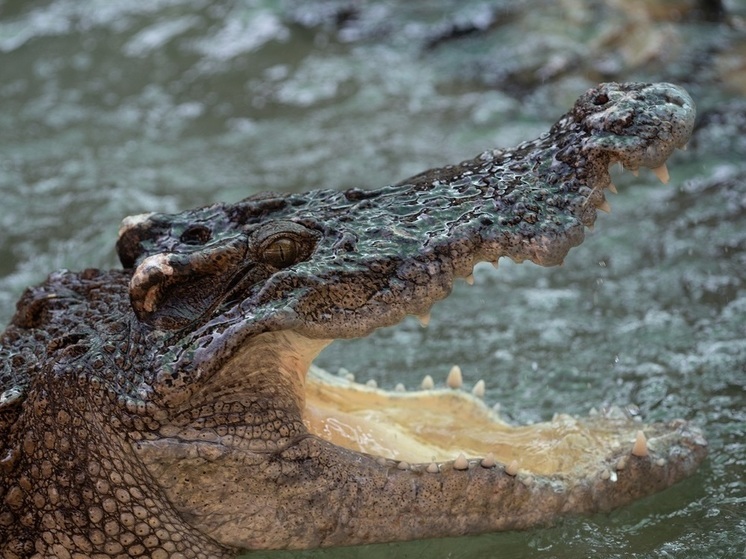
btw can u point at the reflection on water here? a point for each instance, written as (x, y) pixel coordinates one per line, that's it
(109, 109)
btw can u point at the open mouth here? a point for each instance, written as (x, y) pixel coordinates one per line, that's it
(445, 426)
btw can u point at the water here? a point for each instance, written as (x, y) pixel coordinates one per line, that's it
(107, 111)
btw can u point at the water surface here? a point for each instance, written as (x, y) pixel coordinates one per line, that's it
(107, 111)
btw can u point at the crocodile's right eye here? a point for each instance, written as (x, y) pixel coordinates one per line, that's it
(196, 235)
(601, 99)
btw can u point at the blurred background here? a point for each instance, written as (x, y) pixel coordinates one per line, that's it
(115, 108)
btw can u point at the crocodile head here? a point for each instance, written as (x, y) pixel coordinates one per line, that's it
(230, 304)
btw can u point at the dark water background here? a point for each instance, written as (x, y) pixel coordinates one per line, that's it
(114, 108)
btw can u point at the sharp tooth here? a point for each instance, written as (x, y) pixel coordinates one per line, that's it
(432, 467)
(400, 388)
(424, 320)
(660, 462)
(684, 147)
(403, 465)
(640, 448)
(372, 383)
(604, 207)
(427, 383)
(612, 188)
(512, 468)
(494, 264)
(470, 279)
(488, 461)
(635, 172)
(455, 379)
(605, 475)
(662, 173)
(621, 463)
(460, 463)
(350, 377)
(479, 389)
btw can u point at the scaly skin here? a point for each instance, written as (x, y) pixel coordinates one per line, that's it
(160, 410)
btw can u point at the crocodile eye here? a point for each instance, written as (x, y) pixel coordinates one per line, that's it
(601, 99)
(196, 235)
(281, 252)
(280, 244)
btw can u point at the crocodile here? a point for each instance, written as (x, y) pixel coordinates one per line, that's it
(166, 409)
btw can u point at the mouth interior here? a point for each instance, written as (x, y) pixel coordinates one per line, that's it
(440, 424)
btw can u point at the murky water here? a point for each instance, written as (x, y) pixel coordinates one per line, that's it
(109, 109)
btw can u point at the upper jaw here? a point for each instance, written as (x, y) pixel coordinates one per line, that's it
(397, 250)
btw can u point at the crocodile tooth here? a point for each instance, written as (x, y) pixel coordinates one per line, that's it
(460, 463)
(400, 388)
(660, 462)
(488, 461)
(424, 319)
(371, 383)
(640, 448)
(612, 188)
(512, 468)
(495, 264)
(427, 383)
(470, 279)
(479, 389)
(403, 465)
(605, 475)
(622, 463)
(635, 172)
(455, 379)
(662, 173)
(605, 207)
(433, 468)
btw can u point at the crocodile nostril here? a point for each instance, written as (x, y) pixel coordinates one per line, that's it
(601, 99)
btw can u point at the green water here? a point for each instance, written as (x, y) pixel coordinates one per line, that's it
(112, 108)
